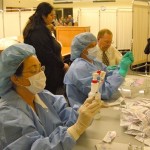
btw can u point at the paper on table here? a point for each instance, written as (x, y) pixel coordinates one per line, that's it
(136, 118)
(117, 146)
(115, 103)
(109, 136)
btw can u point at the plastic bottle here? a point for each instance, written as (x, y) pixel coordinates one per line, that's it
(130, 147)
(95, 91)
(94, 86)
(97, 97)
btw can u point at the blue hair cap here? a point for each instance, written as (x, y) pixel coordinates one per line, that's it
(80, 42)
(10, 59)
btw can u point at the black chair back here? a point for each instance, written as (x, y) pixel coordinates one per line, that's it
(147, 48)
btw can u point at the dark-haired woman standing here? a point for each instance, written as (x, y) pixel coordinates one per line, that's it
(48, 50)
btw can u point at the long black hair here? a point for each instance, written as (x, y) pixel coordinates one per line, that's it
(43, 9)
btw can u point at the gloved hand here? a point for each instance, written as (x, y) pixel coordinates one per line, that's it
(111, 67)
(86, 113)
(125, 62)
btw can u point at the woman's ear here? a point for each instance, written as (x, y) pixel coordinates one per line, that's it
(19, 81)
(14, 79)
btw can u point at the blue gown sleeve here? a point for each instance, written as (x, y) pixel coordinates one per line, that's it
(68, 115)
(18, 132)
(111, 82)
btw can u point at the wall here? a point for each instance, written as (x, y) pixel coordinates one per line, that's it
(97, 4)
(116, 16)
(23, 3)
(1, 4)
(141, 31)
(118, 20)
(34, 3)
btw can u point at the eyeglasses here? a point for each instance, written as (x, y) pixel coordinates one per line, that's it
(53, 15)
(108, 42)
(35, 71)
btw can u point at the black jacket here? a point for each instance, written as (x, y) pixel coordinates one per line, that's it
(48, 51)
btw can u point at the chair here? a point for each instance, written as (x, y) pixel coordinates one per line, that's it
(147, 52)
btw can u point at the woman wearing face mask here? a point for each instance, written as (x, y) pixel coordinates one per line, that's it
(79, 76)
(90, 52)
(33, 118)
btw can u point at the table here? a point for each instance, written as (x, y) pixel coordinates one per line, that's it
(109, 121)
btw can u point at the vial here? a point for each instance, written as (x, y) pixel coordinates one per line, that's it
(130, 147)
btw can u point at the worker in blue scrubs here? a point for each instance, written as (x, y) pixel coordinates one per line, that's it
(79, 76)
(31, 117)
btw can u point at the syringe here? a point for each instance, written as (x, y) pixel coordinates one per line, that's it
(96, 82)
(94, 85)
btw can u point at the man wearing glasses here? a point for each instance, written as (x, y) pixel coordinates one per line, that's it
(109, 55)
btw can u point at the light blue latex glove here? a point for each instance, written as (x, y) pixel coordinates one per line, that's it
(111, 67)
(87, 111)
(125, 63)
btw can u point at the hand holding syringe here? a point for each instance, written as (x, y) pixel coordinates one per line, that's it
(98, 78)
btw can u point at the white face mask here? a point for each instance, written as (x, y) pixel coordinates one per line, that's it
(37, 82)
(92, 52)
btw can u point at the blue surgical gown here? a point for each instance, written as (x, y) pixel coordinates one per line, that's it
(79, 76)
(23, 129)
